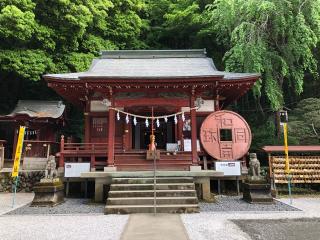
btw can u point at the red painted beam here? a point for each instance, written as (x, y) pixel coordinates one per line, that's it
(193, 131)
(151, 101)
(111, 134)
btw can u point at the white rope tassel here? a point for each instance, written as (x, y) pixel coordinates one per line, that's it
(127, 119)
(183, 117)
(147, 122)
(158, 122)
(118, 116)
(166, 119)
(135, 121)
(175, 119)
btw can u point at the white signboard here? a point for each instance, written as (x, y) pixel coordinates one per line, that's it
(231, 168)
(206, 106)
(172, 147)
(75, 169)
(187, 145)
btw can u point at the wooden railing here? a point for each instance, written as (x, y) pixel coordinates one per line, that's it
(40, 149)
(78, 148)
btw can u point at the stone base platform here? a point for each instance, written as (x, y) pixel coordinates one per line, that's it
(257, 192)
(48, 193)
(105, 178)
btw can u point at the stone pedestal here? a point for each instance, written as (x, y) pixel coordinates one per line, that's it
(48, 193)
(195, 168)
(257, 192)
(110, 169)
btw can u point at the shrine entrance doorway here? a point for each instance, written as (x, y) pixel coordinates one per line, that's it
(164, 134)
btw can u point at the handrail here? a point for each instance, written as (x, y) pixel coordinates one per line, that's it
(85, 143)
(154, 181)
(36, 141)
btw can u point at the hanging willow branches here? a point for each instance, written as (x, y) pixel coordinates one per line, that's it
(271, 37)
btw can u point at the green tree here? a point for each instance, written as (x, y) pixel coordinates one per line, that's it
(41, 36)
(271, 37)
(304, 121)
(174, 23)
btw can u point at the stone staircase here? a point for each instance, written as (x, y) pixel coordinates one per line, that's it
(135, 195)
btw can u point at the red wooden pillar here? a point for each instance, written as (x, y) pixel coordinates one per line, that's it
(92, 157)
(61, 158)
(193, 119)
(111, 135)
(15, 139)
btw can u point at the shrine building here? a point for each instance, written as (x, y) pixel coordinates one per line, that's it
(127, 92)
(43, 121)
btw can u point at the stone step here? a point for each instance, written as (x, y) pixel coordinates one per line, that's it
(149, 193)
(145, 167)
(149, 200)
(172, 208)
(148, 186)
(150, 180)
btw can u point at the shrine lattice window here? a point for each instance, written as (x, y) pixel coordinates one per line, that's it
(98, 127)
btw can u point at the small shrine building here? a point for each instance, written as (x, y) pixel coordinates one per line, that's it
(43, 121)
(124, 90)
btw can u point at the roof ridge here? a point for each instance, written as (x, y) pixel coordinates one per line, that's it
(143, 54)
(39, 100)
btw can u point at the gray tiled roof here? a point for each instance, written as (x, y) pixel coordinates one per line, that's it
(151, 64)
(38, 109)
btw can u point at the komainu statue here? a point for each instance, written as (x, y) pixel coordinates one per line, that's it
(254, 165)
(51, 171)
(50, 190)
(256, 189)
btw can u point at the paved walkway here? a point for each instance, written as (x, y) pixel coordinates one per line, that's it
(52, 227)
(150, 227)
(201, 226)
(220, 225)
(6, 201)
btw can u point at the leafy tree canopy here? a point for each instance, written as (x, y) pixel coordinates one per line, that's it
(40, 36)
(304, 121)
(271, 37)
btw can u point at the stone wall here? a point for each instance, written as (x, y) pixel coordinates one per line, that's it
(25, 183)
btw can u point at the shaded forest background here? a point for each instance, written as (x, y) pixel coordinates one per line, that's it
(279, 39)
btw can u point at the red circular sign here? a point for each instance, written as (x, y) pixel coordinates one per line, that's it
(225, 135)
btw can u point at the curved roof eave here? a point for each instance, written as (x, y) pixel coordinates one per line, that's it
(36, 109)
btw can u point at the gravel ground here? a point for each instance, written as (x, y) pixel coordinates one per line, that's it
(235, 203)
(283, 229)
(58, 227)
(70, 206)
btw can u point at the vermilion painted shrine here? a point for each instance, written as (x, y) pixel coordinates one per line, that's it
(43, 120)
(167, 81)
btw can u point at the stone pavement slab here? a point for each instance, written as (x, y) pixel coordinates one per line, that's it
(310, 205)
(221, 225)
(281, 229)
(150, 227)
(6, 201)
